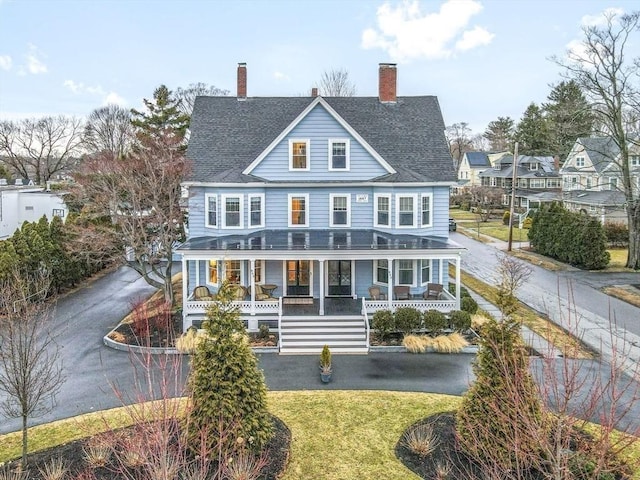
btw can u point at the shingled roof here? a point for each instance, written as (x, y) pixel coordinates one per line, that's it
(478, 159)
(227, 134)
(601, 150)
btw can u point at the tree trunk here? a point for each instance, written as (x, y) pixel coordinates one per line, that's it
(633, 216)
(24, 442)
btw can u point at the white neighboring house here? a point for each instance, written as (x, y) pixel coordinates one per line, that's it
(26, 203)
(592, 181)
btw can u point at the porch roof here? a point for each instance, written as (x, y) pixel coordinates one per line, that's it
(336, 240)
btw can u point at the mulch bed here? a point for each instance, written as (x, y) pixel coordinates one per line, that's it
(157, 331)
(276, 452)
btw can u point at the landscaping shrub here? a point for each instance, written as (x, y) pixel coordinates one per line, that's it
(263, 331)
(407, 319)
(416, 343)
(505, 217)
(463, 291)
(227, 392)
(459, 320)
(572, 238)
(468, 304)
(434, 321)
(527, 223)
(617, 234)
(452, 343)
(383, 323)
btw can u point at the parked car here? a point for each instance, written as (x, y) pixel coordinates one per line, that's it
(452, 225)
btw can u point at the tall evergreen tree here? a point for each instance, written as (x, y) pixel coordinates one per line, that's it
(163, 118)
(569, 115)
(500, 133)
(532, 132)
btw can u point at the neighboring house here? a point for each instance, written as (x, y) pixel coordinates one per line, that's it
(321, 210)
(21, 203)
(537, 180)
(470, 166)
(592, 181)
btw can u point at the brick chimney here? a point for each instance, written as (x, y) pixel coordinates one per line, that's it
(242, 81)
(556, 162)
(314, 92)
(387, 82)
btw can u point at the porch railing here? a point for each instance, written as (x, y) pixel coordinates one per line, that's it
(260, 306)
(366, 321)
(280, 323)
(444, 305)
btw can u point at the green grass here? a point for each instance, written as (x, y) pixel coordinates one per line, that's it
(335, 434)
(458, 214)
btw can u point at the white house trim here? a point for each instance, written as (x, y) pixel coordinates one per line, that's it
(332, 196)
(290, 197)
(250, 197)
(347, 143)
(307, 143)
(223, 211)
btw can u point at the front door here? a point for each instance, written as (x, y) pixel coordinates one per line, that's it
(298, 277)
(339, 278)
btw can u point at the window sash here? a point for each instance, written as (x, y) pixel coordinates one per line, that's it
(426, 271)
(212, 211)
(405, 215)
(233, 271)
(339, 155)
(426, 210)
(255, 211)
(213, 271)
(382, 272)
(299, 152)
(298, 211)
(405, 272)
(384, 206)
(340, 210)
(232, 211)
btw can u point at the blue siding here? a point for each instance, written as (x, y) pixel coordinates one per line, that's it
(364, 277)
(318, 126)
(277, 208)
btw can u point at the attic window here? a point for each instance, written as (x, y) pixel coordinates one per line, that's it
(635, 160)
(338, 154)
(579, 161)
(533, 166)
(299, 155)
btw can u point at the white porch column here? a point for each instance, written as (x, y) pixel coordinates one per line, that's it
(440, 275)
(390, 283)
(252, 284)
(253, 321)
(458, 282)
(185, 281)
(321, 289)
(197, 262)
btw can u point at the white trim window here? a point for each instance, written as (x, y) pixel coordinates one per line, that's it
(613, 183)
(212, 272)
(635, 160)
(256, 210)
(339, 154)
(589, 183)
(426, 203)
(493, 182)
(381, 272)
(298, 209)
(211, 210)
(233, 271)
(406, 211)
(425, 271)
(405, 272)
(340, 210)
(382, 210)
(258, 271)
(579, 162)
(299, 158)
(232, 211)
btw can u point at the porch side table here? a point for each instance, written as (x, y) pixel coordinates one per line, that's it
(269, 288)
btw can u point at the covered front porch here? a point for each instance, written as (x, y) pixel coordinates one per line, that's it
(319, 273)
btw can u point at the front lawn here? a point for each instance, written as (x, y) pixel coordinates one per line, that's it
(336, 434)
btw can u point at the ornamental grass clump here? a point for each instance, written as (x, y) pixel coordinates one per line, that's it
(226, 389)
(416, 343)
(421, 439)
(452, 343)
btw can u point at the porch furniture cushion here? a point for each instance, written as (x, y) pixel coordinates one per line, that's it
(202, 293)
(376, 293)
(261, 294)
(238, 292)
(402, 292)
(433, 291)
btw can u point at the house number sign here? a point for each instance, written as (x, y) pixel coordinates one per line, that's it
(362, 198)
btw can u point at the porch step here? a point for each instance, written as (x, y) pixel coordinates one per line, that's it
(309, 334)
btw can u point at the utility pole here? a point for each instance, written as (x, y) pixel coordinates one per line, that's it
(513, 195)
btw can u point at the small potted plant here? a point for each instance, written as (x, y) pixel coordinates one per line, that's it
(325, 364)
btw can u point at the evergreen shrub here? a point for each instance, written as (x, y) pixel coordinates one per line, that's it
(407, 319)
(434, 321)
(468, 304)
(383, 323)
(460, 320)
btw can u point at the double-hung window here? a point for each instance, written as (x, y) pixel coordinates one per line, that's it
(406, 211)
(635, 160)
(382, 212)
(405, 272)
(233, 271)
(298, 209)
(211, 204)
(340, 210)
(339, 154)
(232, 211)
(299, 155)
(425, 272)
(213, 272)
(426, 210)
(381, 271)
(256, 210)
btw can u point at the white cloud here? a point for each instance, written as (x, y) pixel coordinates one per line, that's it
(406, 33)
(35, 66)
(80, 88)
(474, 38)
(5, 62)
(281, 76)
(600, 19)
(114, 98)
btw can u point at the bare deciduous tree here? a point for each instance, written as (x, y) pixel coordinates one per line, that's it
(460, 140)
(485, 200)
(37, 149)
(187, 96)
(31, 371)
(336, 83)
(611, 82)
(141, 193)
(109, 129)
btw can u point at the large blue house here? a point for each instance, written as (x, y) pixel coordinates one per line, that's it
(321, 210)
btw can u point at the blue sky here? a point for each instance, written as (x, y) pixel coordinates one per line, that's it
(482, 58)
